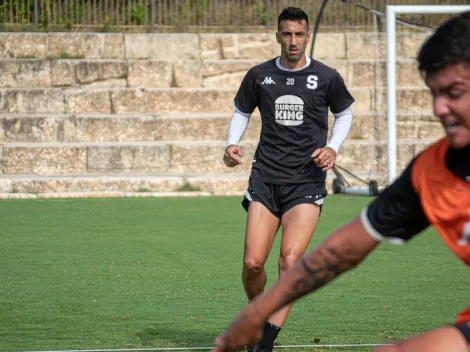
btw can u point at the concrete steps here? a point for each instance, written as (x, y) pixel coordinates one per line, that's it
(112, 114)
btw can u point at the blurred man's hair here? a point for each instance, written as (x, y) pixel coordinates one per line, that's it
(449, 45)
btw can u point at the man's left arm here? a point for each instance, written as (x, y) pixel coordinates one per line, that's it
(340, 130)
(326, 157)
(339, 101)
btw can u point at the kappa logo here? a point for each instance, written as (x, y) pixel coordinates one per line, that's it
(268, 80)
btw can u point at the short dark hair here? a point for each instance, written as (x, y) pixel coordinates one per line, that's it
(292, 14)
(449, 45)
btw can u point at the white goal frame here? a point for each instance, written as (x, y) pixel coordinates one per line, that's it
(392, 12)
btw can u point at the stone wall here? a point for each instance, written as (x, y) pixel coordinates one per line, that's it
(94, 113)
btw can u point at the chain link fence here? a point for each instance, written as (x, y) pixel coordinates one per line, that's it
(188, 15)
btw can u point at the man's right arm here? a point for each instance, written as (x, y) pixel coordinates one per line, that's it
(395, 216)
(341, 251)
(237, 127)
(245, 103)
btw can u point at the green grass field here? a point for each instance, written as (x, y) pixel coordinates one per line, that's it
(142, 273)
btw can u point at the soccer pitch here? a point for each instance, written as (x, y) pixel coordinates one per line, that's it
(165, 272)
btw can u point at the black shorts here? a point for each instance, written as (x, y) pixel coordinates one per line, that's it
(279, 198)
(465, 330)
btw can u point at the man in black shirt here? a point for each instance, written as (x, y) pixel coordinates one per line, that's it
(434, 190)
(287, 183)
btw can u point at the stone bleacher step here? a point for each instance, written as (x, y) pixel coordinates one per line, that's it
(140, 185)
(118, 194)
(194, 46)
(114, 73)
(118, 127)
(105, 186)
(68, 128)
(170, 100)
(172, 157)
(92, 158)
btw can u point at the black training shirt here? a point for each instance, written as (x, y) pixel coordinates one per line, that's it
(294, 115)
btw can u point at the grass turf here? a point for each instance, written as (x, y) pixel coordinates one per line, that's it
(131, 273)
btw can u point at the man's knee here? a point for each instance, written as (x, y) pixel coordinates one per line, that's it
(286, 260)
(252, 267)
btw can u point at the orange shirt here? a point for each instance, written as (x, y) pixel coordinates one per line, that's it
(433, 190)
(445, 199)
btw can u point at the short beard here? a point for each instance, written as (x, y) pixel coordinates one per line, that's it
(295, 58)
